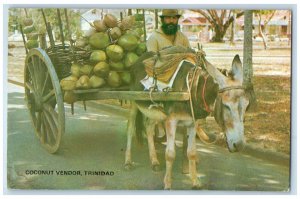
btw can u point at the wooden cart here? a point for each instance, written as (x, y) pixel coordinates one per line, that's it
(44, 97)
(44, 68)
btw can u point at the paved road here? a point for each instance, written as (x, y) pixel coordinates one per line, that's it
(95, 140)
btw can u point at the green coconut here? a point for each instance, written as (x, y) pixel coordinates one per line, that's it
(140, 49)
(130, 59)
(83, 82)
(115, 52)
(28, 29)
(32, 44)
(99, 40)
(115, 33)
(86, 70)
(134, 33)
(97, 56)
(128, 42)
(101, 69)
(75, 70)
(116, 65)
(96, 82)
(68, 83)
(140, 31)
(125, 77)
(114, 79)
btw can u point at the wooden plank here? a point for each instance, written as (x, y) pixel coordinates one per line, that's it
(133, 95)
(95, 90)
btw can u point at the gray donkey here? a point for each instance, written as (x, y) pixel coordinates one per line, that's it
(210, 91)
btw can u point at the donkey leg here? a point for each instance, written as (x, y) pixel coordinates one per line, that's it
(150, 126)
(130, 133)
(170, 151)
(192, 156)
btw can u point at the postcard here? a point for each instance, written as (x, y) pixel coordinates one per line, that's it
(215, 114)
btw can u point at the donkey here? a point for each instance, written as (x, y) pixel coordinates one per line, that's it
(225, 95)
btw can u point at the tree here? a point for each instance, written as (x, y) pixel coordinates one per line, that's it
(16, 16)
(262, 23)
(247, 58)
(220, 21)
(233, 29)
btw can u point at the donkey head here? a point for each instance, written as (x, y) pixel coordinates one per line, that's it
(231, 103)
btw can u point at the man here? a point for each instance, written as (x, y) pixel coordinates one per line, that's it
(168, 34)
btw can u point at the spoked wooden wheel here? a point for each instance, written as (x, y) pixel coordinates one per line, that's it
(44, 99)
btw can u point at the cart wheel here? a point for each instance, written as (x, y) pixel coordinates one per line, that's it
(44, 99)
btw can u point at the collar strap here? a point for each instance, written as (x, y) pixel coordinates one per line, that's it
(207, 109)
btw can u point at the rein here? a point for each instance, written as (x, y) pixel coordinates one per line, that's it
(231, 88)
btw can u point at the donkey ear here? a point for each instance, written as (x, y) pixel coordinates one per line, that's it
(237, 69)
(218, 77)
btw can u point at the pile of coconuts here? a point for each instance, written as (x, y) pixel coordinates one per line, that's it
(115, 46)
(31, 33)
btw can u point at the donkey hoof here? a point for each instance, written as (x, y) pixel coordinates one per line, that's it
(128, 166)
(156, 167)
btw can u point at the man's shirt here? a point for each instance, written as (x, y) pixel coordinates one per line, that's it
(159, 40)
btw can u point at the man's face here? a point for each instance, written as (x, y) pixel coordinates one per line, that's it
(169, 25)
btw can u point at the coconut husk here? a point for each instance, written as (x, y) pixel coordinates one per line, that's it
(100, 25)
(127, 23)
(110, 21)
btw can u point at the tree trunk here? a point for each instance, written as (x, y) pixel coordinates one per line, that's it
(129, 12)
(260, 32)
(247, 60)
(219, 34)
(156, 18)
(233, 30)
(144, 21)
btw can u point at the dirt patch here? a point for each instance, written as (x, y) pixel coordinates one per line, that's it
(269, 125)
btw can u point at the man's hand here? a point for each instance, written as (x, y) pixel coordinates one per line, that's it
(200, 53)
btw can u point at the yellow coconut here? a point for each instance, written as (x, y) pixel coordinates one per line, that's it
(75, 70)
(86, 70)
(97, 56)
(68, 83)
(96, 82)
(101, 69)
(69, 97)
(99, 40)
(115, 52)
(114, 79)
(83, 82)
